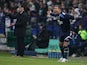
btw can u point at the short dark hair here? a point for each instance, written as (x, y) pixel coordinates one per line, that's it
(57, 6)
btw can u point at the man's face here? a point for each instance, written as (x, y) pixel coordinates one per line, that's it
(21, 9)
(56, 9)
(41, 27)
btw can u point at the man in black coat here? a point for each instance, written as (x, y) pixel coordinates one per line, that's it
(20, 30)
(42, 37)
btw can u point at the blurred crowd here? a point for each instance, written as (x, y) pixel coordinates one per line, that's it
(37, 11)
(40, 7)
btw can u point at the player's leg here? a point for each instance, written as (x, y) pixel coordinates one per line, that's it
(66, 49)
(65, 39)
(65, 52)
(62, 51)
(61, 48)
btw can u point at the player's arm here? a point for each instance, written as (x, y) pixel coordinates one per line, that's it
(49, 16)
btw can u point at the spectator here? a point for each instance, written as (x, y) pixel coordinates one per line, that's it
(42, 37)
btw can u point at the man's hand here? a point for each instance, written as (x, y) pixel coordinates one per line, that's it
(34, 36)
(12, 24)
(49, 12)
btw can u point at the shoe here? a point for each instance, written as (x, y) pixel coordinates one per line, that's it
(73, 55)
(60, 59)
(64, 60)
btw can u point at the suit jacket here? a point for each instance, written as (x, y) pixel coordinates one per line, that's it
(43, 39)
(20, 26)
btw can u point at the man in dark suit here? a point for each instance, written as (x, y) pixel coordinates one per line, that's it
(20, 30)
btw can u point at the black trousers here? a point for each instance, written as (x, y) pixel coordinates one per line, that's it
(20, 46)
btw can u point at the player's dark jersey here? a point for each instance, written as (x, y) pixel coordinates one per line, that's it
(65, 26)
(54, 19)
(62, 19)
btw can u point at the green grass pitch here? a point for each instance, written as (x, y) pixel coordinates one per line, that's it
(8, 59)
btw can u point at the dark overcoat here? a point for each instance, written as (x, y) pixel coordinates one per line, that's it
(21, 23)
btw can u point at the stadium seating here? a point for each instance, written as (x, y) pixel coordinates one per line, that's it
(53, 49)
(53, 44)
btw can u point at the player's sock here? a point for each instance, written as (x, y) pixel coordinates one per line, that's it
(62, 51)
(66, 52)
